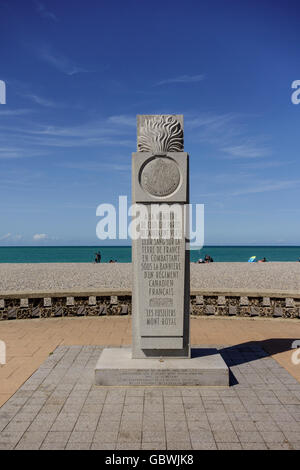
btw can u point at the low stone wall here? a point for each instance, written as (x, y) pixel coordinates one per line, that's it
(241, 304)
(64, 306)
(246, 305)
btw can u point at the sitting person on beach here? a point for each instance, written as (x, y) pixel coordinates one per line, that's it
(263, 260)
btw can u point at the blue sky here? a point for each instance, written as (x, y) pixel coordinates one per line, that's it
(77, 74)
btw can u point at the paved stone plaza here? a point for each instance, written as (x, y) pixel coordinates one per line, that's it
(58, 407)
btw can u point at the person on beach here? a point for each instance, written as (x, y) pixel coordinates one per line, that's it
(264, 260)
(98, 257)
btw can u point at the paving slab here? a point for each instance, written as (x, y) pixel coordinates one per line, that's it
(154, 418)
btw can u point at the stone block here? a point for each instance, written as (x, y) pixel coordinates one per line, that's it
(233, 310)
(103, 309)
(114, 300)
(70, 301)
(278, 311)
(210, 310)
(24, 303)
(124, 309)
(47, 302)
(116, 367)
(92, 300)
(199, 300)
(254, 311)
(289, 302)
(244, 301)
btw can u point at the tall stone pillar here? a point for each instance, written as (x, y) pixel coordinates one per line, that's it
(161, 266)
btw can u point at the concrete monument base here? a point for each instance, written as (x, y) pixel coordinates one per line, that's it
(206, 367)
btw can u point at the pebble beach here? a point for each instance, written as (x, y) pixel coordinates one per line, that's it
(35, 277)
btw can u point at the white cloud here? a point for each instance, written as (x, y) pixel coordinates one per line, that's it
(87, 165)
(112, 131)
(215, 129)
(212, 121)
(246, 151)
(60, 62)
(181, 79)
(44, 13)
(7, 236)
(123, 120)
(40, 236)
(245, 185)
(17, 152)
(14, 112)
(41, 101)
(266, 186)
(262, 164)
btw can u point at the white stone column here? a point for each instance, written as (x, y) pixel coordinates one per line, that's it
(160, 188)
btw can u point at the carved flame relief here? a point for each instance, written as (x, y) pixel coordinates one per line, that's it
(161, 134)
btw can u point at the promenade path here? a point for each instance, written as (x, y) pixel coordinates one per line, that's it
(49, 400)
(29, 342)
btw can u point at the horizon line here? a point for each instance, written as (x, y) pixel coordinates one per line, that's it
(130, 246)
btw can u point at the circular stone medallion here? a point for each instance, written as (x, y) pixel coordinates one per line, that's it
(160, 176)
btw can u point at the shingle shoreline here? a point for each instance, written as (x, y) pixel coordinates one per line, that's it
(272, 276)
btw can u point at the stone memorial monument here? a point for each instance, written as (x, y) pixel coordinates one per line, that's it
(161, 265)
(160, 353)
